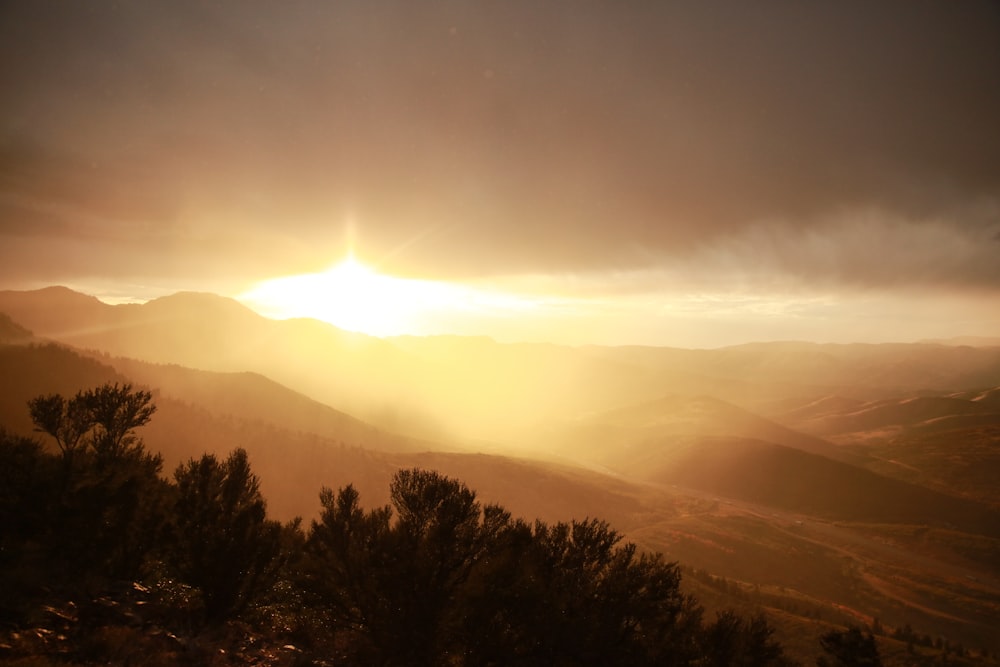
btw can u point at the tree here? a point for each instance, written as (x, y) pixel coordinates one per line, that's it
(105, 510)
(66, 421)
(733, 641)
(447, 581)
(352, 572)
(116, 412)
(24, 488)
(26, 474)
(108, 414)
(438, 526)
(223, 543)
(392, 586)
(599, 602)
(849, 648)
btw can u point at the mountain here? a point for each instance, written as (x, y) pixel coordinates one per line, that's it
(777, 476)
(615, 409)
(434, 387)
(971, 341)
(294, 461)
(57, 312)
(949, 442)
(621, 439)
(942, 439)
(709, 445)
(792, 532)
(256, 398)
(449, 388)
(12, 332)
(208, 332)
(772, 377)
(892, 414)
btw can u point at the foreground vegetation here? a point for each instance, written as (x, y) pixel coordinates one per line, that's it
(104, 561)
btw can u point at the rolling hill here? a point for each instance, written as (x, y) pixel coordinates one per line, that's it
(446, 388)
(293, 460)
(826, 483)
(253, 397)
(12, 332)
(709, 445)
(618, 438)
(949, 442)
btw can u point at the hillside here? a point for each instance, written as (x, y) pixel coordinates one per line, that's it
(742, 509)
(208, 332)
(621, 439)
(782, 477)
(713, 457)
(896, 414)
(252, 397)
(446, 388)
(295, 462)
(949, 442)
(766, 377)
(709, 445)
(12, 332)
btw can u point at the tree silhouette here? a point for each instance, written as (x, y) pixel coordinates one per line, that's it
(444, 580)
(735, 641)
(108, 413)
(598, 602)
(66, 421)
(104, 512)
(223, 543)
(23, 487)
(116, 412)
(849, 648)
(391, 585)
(435, 577)
(26, 481)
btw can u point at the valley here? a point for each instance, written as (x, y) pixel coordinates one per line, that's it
(824, 484)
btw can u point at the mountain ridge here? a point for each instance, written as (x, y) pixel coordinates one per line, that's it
(835, 559)
(451, 388)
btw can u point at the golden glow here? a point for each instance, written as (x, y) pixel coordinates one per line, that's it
(582, 310)
(353, 296)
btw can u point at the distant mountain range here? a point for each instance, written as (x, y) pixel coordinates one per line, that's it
(295, 458)
(972, 341)
(616, 409)
(884, 457)
(475, 388)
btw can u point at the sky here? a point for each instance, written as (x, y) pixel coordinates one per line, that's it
(677, 173)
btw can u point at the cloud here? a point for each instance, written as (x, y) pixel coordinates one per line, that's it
(818, 143)
(865, 248)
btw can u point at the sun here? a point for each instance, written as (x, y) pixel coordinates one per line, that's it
(353, 296)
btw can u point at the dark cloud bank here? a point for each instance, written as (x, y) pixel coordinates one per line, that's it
(841, 141)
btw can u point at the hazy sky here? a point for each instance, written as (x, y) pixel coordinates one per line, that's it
(677, 172)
